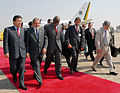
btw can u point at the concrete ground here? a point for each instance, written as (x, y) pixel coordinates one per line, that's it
(83, 66)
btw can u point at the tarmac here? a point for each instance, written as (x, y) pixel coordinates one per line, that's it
(84, 65)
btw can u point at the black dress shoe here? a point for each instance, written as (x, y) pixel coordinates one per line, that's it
(113, 73)
(15, 79)
(40, 84)
(23, 87)
(71, 71)
(92, 59)
(76, 71)
(45, 71)
(93, 69)
(60, 77)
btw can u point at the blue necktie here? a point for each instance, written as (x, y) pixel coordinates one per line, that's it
(37, 33)
(106, 38)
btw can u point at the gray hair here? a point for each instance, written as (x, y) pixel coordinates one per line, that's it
(35, 19)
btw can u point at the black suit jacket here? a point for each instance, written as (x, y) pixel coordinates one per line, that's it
(88, 36)
(74, 38)
(13, 44)
(34, 46)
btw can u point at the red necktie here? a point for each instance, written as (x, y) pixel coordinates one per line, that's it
(56, 29)
(92, 34)
(18, 31)
(76, 28)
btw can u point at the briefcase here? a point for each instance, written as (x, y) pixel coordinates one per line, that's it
(114, 51)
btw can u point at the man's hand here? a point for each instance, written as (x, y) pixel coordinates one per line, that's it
(27, 55)
(7, 55)
(99, 51)
(82, 48)
(69, 46)
(44, 50)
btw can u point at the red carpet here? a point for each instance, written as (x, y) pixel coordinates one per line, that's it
(77, 83)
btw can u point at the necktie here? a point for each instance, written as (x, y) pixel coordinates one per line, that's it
(37, 33)
(92, 34)
(76, 28)
(106, 38)
(56, 29)
(18, 31)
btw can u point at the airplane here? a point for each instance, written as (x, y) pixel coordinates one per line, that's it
(82, 13)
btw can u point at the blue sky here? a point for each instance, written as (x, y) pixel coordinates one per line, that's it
(100, 10)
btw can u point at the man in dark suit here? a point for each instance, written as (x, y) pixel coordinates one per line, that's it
(90, 37)
(35, 42)
(66, 52)
(14, 49)
(54, 33)
(74, 39)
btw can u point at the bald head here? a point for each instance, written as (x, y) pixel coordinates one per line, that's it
(56, 20)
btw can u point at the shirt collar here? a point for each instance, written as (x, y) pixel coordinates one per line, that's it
(16, 28)
(36, 29)
(76, 26)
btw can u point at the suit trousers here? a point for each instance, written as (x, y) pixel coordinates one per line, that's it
(74, 60)
(36, 63)
(106, 53)
(17, 64)
(49, 58)
(90, 49)
(68, 60)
